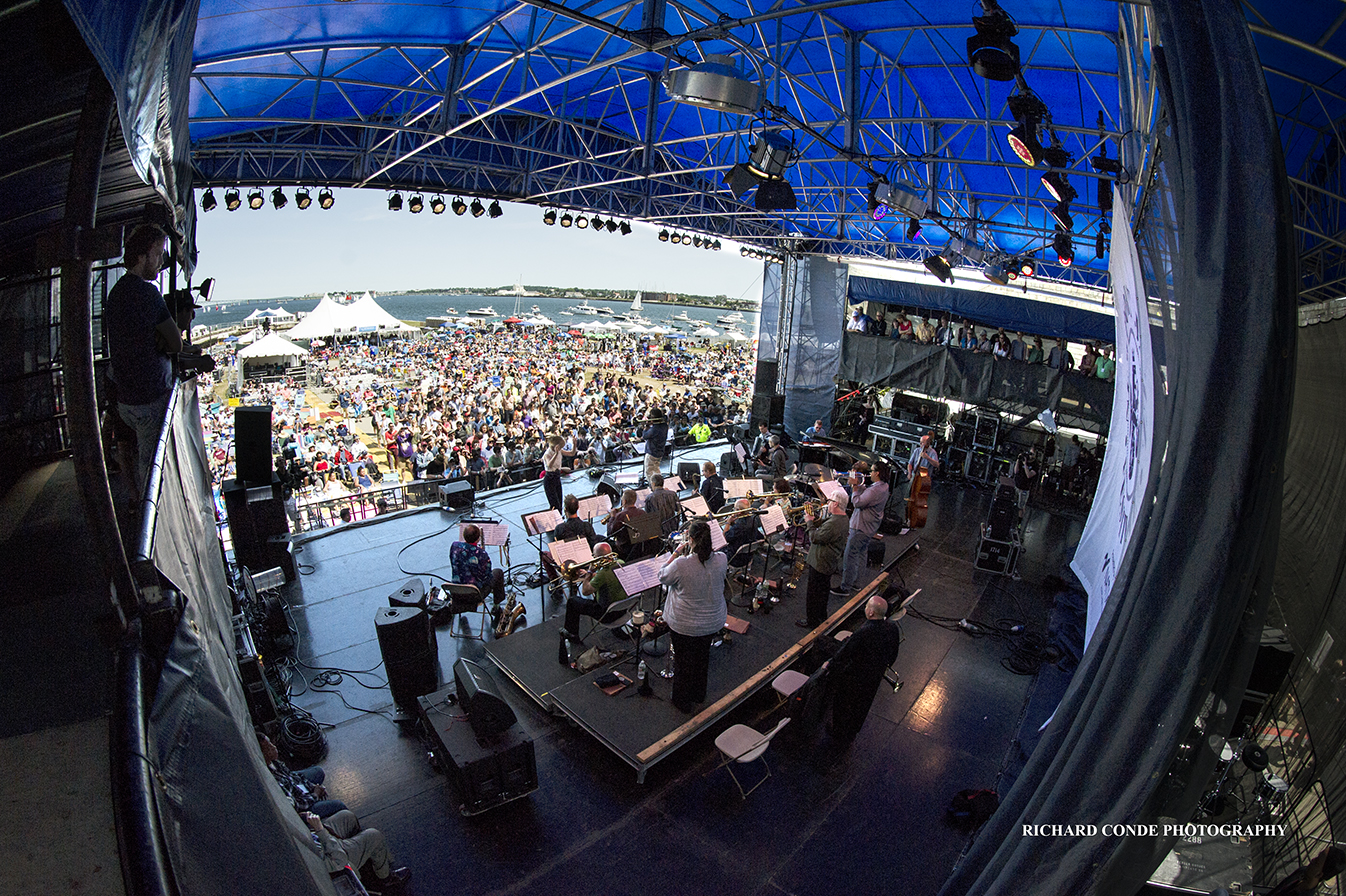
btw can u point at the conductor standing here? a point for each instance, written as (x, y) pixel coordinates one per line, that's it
(857, 669)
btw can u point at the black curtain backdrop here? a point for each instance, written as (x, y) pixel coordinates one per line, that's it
(1129, 741)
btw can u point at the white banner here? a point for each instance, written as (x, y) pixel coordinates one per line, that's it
(1126, 464)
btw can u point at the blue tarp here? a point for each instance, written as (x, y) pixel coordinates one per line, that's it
(991, 310)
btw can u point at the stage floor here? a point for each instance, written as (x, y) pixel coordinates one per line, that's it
(868, 820)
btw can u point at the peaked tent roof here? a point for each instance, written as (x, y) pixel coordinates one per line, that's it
(366, 314)
(272, 345)
(323, 321)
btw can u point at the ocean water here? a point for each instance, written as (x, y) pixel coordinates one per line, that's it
(417, 308)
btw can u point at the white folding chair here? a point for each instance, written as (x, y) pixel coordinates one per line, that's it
(741, 744)
(786, 683)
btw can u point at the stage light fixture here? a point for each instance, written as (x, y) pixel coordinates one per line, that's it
(394, 202)
(549, 217)
(664, 236)
(437, 205)
(1059, 187)
(913, 228)
(1061, 215)
(231, 200)
(1065, 248)
(626, 228)
(495, 210)
(597, 223)
(581, 222)
(1012, 269)
(255, 200)
(990, 51)
(1028, 266)
(612, 225)
(325, 199)
(279, 199)
(939, 266)
(416, 204)
(477, 208)
(765, 169)
(567, 219)
(675, 238)
(460, 207)
(208, 200)
(302, 199)
(878, 200)
(696, 241)
(996, 273)
(1028, 112)
(716, 84)
(1101, 240)
(1105, 196)
(774, 196)
(716, 245)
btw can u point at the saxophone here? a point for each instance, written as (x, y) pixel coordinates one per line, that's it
(511, 618)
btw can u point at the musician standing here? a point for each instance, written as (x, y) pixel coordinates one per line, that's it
(924, 461)
(712, 487)
(694, 610)
(656, 442)
(761, 446)
(663, 504)
(868, 500)
(827, 535)
(779, 460)
(551, 477)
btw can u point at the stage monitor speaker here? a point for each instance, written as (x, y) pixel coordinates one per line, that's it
(411, 594)
(690, 474)
(765, 380)
(458, 494)
(410, 652)
(252, 443)
(1002, 520)
(486, 710)
(257, 520)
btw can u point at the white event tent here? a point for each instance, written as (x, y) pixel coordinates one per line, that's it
(272, 348)
(333, 319)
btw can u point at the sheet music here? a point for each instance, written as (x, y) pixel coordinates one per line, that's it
(626, 478)
(696, 505)
(492, 534)
(739, 488)
(741, 452)
(576, 550)
(830, 489)
(639, 577)
(593, 506)
(717, 539)
(541, 522)
(673, 483)
(641, 495)
(773, 520)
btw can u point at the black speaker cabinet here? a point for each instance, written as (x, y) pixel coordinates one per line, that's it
(457, 493)
(252, 443)
(411, 594)
(486, 710)
(768, 408)
(410, 652)
(485, 773)
(765, 380)
(690, 474)
(256, 517)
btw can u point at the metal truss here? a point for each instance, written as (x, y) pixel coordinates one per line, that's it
(563, 107)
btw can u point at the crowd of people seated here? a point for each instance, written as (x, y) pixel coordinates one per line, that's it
(1097, 360)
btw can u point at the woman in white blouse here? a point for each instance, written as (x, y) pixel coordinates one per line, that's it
(694, 610)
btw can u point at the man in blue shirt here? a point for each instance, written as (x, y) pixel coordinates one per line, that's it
(471, 565)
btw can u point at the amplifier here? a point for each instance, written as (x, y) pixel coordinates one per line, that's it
(485, 772)
(457, 493)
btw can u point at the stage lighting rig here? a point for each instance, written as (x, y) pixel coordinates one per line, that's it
(715, 246)
(675, 238)
(941, 263)
(495, 210)
(995, 272)
(913, 228)
(477, 208)
(1061, 215)
(231, 200)
(255, 200)
(394, 202)
(664, 236)
(1064, 247)
(302, 199)
(1029, 113)
(581, 222)
(208, 200)
(597, 224)
(325, 199)
(612, 225)
(1028, 265)
(437, 205)
(416, 204)
(715, 84)
(878, 200)
(765, 169)
(626, 228)
(278, 198)
(459, 206)
(990, 51)
(567, 219)
(549, 217)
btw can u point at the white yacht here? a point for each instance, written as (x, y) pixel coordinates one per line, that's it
(585, 308)
(603, 309)
(727, 319)
(485, 311)
(452, 312)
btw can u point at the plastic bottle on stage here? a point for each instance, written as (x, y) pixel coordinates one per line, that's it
(641, 671)
(563, 655)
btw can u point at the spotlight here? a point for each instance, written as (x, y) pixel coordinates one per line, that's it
(477, 208)
(208, 200)
(231, 200)
(913, 228)
(612, 225)
(278, 198)
(437, 205)
(581, 222)
(1012, 269)
(937, 265)
(626, 228)
(663, 236)
(770, 156)
(394, 202)
(494, 211)
(696, 241)
(878, 200)
(325, 199)
(1058, 186)
(567, 220)
(775, 195)
(458, 206)
(1100, 241)
(743, 250)
(990, 51)
(1105, 196)
(1028, 112)
(1028, 266)
(716, 245)
(675, 239)
(597, 222)
(415, 204)
(765, 169)
(1061, 214)
(995, 272)
(255, 200)
(716, 84)
(549, 217)
(302, 199)
(1065, 248)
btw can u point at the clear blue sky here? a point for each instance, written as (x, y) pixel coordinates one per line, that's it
(359, 245)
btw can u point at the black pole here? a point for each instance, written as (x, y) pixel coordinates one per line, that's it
(81, 401)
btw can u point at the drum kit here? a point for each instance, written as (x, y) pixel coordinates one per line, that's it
(1241, 760)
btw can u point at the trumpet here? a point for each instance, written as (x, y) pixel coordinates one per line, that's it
(571, 571)
(811, 505)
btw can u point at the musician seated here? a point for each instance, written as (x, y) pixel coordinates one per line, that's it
(712, 487)
(664, 504)
(816, 431)
(618, 519)
(472, 566)
(601, 590)
(572, 526)
(743, 530)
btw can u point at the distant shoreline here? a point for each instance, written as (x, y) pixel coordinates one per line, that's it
(690, 301)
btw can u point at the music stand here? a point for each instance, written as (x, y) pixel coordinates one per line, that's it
(643, 529)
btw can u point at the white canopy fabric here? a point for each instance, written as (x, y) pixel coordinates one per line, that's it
(366, 316)
(705, 331)
(272, 346)
(323, 321)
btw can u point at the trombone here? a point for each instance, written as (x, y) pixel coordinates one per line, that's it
(571, 571)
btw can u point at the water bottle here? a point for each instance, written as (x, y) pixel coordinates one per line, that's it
(641, 672)
(563, 654)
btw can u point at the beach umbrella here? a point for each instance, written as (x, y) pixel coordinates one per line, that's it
(575, 332)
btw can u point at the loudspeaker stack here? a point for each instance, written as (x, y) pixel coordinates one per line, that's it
(410, 652)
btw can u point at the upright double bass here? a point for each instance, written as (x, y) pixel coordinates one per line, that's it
(918, 499)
